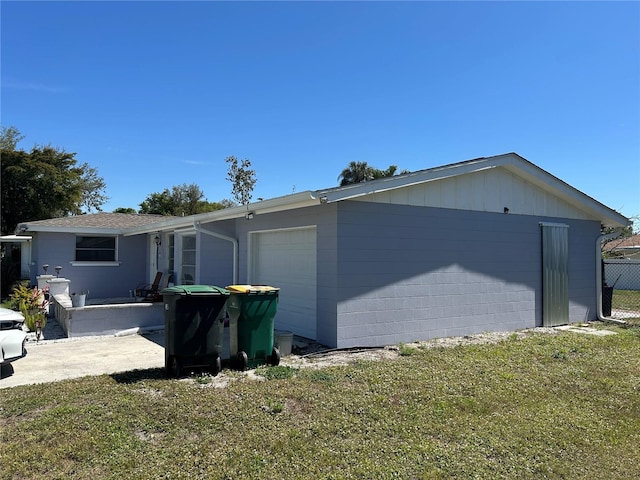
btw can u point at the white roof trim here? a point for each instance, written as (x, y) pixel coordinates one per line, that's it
(278, 204)
(78, 230)
(511, 161)
(15, 238)
(571, 195)
(399, 181)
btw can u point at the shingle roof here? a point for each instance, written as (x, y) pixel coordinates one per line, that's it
(96, 220)
(623, 243)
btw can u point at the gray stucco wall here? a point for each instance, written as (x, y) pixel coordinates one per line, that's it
(414, 273)
(216, 255)
(102, 281)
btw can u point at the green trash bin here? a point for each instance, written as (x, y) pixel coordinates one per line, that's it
(251, 310)
(194, 326)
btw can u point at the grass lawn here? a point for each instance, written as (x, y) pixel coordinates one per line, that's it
(543, 406)
(627, 299)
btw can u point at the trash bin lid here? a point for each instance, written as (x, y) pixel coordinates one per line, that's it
(253, 289)
(206, 290)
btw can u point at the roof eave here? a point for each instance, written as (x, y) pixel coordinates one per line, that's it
(510, 161)
(404, 180)
(60, 229)
(541, 178)
(15, 238)
(298, 200)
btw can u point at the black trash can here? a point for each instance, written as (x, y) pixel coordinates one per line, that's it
(607, 300)
(194, 326)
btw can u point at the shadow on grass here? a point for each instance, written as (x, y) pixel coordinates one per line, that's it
(135, 376)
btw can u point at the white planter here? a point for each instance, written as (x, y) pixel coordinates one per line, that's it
(58, 286)
(43, 281)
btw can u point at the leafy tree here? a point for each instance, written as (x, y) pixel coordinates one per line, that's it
(242, 178)
(160, 203)
(358, 172)
(93, 188)
(179, 201)
(125, 210)
(636, 223)
(9, 138)
(44, 183)
(624, 232)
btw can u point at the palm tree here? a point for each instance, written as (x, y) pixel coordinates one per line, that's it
(389, 172)
(356, 172)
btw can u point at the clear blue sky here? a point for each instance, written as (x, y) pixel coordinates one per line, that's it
(156, 94)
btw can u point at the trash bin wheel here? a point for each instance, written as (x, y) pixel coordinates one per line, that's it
(274, 359)
(242, 360)
(175, 366)
(216, 366)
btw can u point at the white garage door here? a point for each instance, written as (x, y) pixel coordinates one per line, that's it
(287, 259)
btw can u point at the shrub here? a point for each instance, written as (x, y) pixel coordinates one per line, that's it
(32, 303)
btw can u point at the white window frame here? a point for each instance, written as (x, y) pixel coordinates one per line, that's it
(97, 263)
(179, 250)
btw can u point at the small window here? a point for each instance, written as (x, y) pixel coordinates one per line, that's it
(188, 262)
(95, 249)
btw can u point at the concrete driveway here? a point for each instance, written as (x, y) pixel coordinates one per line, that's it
(54, 360)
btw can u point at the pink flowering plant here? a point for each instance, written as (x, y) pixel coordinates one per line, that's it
(32, 303)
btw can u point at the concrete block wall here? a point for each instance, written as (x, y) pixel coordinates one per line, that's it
(415, 273)
(106, 319)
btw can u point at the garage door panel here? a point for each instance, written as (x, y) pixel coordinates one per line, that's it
(287, 259)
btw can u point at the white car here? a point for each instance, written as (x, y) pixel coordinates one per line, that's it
(12, 338)
(10, 319)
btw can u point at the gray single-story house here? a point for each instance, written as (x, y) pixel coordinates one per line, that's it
(490, 244)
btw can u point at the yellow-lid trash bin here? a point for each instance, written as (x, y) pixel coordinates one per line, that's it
(252, 309)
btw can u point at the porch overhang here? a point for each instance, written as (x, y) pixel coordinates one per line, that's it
(15, 238)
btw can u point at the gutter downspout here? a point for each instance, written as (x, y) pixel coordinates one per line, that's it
(599, 278)
(199, 229)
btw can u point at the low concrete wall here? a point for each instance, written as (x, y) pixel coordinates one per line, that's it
(105, 319)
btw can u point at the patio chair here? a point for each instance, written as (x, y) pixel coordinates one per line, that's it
(150, 292)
